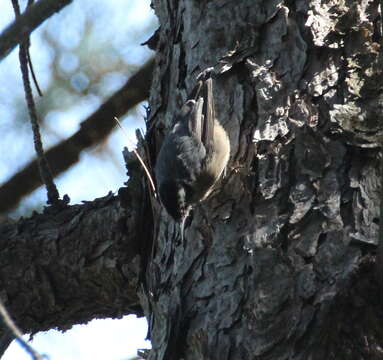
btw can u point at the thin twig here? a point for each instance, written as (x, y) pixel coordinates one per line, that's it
(16, 333)
(30, 3)
(38, 89)
(138, 157)
(45, 173)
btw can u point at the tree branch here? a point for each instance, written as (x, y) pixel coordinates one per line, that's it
(44, 170)
(35, 15)
(92, 131)
(69, 267)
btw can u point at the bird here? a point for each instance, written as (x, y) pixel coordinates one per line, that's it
(193, 155)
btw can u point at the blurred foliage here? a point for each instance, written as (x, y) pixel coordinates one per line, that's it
(80, 56)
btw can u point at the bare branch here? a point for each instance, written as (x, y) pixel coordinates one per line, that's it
(92, 131)
(64, 268)
(19, 30)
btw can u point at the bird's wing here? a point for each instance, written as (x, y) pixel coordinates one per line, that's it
(208, 112)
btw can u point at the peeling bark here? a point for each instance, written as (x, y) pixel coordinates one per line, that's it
(278, 262)
(279, 259)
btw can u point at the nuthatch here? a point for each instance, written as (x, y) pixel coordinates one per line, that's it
(193, 155)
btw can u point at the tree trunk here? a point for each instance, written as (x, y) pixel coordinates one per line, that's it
(277, 263)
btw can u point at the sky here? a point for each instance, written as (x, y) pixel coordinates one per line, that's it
(120, 28)
(100, 339)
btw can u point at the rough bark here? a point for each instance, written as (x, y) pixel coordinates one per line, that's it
(68, 266)
(277, 263)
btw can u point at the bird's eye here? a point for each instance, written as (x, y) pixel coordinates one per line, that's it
(170, 199)
(189, 192)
